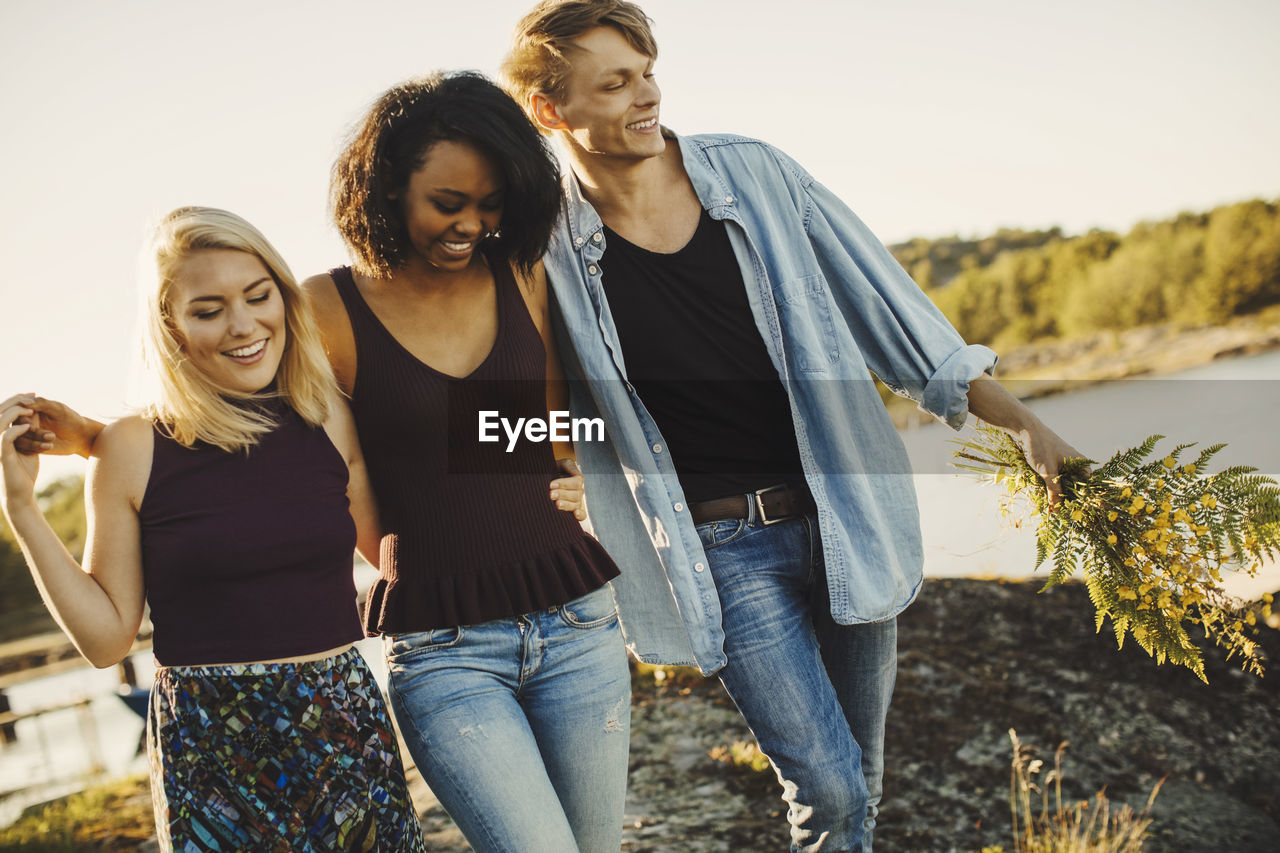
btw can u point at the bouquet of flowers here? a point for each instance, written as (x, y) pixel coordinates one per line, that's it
(1151, 537)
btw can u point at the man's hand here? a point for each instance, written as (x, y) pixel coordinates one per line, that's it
(1046, 452)
(1045, 449)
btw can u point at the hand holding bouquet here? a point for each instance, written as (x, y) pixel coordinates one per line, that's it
(1151, 538)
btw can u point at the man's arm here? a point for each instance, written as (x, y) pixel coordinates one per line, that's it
(1044, 448)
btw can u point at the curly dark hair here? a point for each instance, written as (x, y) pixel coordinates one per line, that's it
(391, 142)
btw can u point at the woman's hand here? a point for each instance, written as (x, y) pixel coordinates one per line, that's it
(19, 470)
(566, 491)
(57, 429)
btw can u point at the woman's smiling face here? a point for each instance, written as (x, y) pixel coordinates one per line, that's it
(229, 316)
(451, 203)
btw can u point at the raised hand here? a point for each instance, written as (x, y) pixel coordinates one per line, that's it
(19, 470)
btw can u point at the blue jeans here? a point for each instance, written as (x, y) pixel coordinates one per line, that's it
(520, 726)
(814, 693)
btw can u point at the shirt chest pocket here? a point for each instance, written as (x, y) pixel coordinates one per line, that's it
(808, 328)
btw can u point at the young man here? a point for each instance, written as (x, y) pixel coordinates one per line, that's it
(723, 309)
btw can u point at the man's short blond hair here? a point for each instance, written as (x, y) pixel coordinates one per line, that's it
(538, 60)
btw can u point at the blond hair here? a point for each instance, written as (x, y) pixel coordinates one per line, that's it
(187, 402)
(537, 61)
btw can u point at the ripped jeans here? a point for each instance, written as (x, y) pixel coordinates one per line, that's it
(520, 726)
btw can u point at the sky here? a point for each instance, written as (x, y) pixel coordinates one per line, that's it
(929, 118)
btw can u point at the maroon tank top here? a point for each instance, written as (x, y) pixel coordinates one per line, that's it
(470, 534)
(248, 556)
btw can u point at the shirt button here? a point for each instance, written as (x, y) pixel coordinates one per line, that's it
(657, 448)
(679, 507)
(699, 568)
(578, 241)
(728, 199)
(597, 237)
(593, 269)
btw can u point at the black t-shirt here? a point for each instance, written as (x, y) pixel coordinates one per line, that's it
(695, 356)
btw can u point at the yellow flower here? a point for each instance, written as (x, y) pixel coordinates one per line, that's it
(1169, 462)
(1189, 469)
(1111, 540)
(1077, 515)
(1250, 618)
(1130, 562)
(1268, 597)
(1127, 491)
(1137, 505)
(1159, 484)
(1126, 594)
(1209, 500)
(1112, 516)
(1165, 600)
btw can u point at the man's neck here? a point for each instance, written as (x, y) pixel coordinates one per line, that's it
(622, 189)
(649, 202)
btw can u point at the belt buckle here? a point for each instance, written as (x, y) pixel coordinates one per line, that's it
(764, 519)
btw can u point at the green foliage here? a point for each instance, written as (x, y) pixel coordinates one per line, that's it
(1151, 537)
(21, 611)
(1018, 286)
(935, 263)
(1067, 828)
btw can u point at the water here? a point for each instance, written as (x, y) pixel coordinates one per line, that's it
(1235, 401)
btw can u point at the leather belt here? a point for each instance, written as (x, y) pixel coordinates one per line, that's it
(772, 504)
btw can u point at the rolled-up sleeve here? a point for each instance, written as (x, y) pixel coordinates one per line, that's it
(946, 393)
(901, 335)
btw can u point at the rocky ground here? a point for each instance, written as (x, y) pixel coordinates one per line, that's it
(976, 659)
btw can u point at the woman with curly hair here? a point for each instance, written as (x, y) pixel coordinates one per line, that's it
(507, 669)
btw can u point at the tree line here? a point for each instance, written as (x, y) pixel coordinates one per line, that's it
(1015, 287)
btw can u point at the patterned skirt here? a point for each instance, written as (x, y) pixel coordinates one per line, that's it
(277, 757)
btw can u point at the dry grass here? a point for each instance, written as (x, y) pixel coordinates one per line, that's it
(1067, 827)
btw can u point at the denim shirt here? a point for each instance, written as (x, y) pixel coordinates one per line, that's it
(831, 304)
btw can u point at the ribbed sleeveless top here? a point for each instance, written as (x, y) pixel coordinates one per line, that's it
(470, 534)
(249, 556)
